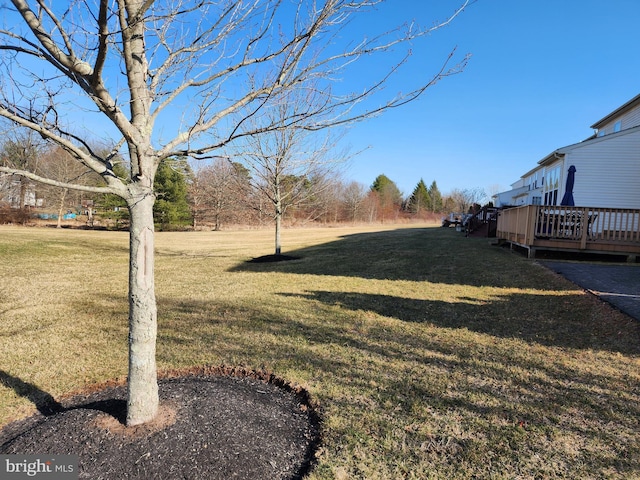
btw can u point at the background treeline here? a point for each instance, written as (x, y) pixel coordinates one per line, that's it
(216, 195)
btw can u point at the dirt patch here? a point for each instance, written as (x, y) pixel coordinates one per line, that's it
(165, 418)
(209, 427)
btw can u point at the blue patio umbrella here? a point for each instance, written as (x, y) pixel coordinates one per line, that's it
(567, 200)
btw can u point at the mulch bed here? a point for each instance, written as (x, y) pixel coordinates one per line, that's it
(273, 258)
(220, 424)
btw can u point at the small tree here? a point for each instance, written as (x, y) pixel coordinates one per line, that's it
(420, 200)
(170, 186)
(437, 203)
(389, 196)
(354, 199)
(290, 164)
(180, 79)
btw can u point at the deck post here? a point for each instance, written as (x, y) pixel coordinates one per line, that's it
(530, 224)
(584, 228)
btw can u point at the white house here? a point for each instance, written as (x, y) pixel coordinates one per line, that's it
(18, 192)
(607, 167)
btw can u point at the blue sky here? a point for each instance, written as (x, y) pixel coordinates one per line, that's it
(541, 72)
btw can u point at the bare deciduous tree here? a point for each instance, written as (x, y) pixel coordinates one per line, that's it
(218, 193)
(196, 196)
(464, 199)
(291, 163)
(57, 164)
(178, 79)
(354, 198)
(22, 152)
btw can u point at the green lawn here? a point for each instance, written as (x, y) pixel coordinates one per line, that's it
(430, 355)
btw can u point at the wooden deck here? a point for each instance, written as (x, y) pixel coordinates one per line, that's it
(572, 229)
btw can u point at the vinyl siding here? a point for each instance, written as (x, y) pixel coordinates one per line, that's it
(607, 172)
(628, 120)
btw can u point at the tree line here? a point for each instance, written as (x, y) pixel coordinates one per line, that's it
(225, 192)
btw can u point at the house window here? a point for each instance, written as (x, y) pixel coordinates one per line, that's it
(536, 201)
(552, 186)
(617, 126)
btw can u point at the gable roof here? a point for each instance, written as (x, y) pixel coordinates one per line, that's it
(634, 102)
(561, 152)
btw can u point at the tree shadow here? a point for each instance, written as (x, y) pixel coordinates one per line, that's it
(43, 401)
(437, 255)
(525, 316)
(48, 406)
(366, 362)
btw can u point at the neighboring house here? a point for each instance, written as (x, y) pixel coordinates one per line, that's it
(607, 167)
(18, 192)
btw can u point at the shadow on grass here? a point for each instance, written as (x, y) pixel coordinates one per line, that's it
(43, 401)
(565, 321)
(47, 405)
(507, 397)
(436, 255)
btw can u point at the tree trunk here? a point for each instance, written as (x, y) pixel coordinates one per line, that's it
(142, 396)
(61, 207)
(278, 213)
(23, 193)
(278, 227)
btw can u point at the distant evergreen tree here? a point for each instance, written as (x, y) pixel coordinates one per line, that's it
(437, 203)
(420, 200)
(388, 196)
(387, 189)
(171, 207)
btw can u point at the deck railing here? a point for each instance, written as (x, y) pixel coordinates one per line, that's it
(485, 216)
(574, 228)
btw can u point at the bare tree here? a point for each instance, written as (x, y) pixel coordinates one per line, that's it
(464, 199)
(179, 79)
(354, 198)
(57, 164)
(290, 164)
(21, 151)
(327, 205)
(218, 192)
(196, 196)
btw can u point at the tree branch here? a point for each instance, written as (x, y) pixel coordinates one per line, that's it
(69, 61)
(57, 183)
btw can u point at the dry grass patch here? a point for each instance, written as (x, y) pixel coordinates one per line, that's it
(432, 355)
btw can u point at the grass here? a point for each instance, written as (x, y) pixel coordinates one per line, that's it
(431, 355)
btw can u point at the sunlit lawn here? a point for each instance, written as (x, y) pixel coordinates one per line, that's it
(430, 355)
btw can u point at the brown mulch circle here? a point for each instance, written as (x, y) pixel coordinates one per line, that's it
(214, 423)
